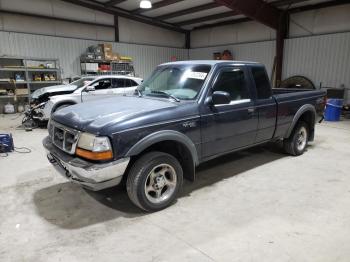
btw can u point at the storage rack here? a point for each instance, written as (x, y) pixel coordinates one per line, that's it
(26, 67)
(93, 67)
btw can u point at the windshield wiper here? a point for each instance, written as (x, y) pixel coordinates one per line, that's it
(166, 94)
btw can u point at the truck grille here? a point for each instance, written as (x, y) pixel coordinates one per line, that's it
(63, 137)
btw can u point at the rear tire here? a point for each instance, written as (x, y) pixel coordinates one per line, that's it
(154, 181)
(297, 142)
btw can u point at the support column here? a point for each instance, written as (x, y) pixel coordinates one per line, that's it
(188, 40)
(282, 33)
(116, 28)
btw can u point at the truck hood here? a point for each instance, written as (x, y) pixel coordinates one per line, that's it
(94, 117)
(53, 89)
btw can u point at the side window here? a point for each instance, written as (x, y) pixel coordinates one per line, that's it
(128, 82)
(262, 83)
(119, 83)
(232, 82)
(133, 83)
(102, 84)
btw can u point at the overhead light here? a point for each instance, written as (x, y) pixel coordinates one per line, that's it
(145, 4)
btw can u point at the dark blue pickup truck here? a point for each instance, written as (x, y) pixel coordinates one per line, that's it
(185, 114)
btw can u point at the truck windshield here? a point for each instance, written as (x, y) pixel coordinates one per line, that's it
(178, 81)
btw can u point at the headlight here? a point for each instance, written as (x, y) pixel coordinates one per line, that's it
(94, 147)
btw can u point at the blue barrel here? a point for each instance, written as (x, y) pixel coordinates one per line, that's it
(333, 109)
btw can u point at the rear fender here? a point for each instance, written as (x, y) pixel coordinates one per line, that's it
(298, 115)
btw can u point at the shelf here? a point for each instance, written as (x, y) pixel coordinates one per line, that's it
(43, 69)
(18, 82)
(13, 69)
(7, 96)
(106, 61)
(29, 69)
(45, 82)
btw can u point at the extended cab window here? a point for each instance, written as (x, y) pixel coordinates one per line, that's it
(262, 84)
(232, 81)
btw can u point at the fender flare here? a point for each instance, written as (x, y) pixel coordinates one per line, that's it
(164, 135)
(302, 110)
(70, 102)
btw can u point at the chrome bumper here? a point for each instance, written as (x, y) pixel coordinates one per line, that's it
(90, 175)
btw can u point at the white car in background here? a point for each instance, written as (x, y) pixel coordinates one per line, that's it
(91, 88)
(42, 94)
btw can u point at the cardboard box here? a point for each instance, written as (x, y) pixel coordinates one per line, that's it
(21, 91)
(108, 56)
(115, 57)
(106, 48)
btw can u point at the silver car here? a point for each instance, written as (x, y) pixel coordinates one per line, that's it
(92, 89)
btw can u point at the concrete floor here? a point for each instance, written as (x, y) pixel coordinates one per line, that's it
(256, 205)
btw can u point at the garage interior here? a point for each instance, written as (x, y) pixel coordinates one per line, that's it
(258, 204)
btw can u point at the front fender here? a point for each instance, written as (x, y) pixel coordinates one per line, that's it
(164, 135)
(62, 102)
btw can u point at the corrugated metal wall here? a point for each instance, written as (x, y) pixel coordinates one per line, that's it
(323, 58)
(146, 58)
(68, 51)
(262, 52)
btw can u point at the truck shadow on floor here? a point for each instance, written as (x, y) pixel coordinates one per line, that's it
(69, 206)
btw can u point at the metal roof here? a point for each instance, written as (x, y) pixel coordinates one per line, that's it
(184, 15)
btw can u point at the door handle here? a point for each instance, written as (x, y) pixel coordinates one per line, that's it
(251, 110)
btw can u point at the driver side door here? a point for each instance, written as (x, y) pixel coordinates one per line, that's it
(226, 127)
(101, 89)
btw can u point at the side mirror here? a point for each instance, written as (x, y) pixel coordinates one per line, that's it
(220, 98)
(90, 88)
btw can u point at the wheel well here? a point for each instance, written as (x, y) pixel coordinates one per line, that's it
(177, 150)
(309, 118)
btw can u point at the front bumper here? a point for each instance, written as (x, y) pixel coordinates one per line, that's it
(90, 175)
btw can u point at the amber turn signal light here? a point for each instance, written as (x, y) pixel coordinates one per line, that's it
(105, 155)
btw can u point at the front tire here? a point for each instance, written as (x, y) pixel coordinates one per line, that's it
(154, 181)
(297, 142)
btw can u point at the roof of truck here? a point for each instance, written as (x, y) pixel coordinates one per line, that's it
(212, 62)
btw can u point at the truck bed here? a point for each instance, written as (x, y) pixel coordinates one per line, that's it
(289, 101)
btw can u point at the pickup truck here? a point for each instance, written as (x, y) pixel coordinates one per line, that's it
(53, 98)
(186, 113)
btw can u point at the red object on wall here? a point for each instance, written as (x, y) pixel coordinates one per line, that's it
(173, 58)
(105, 67)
